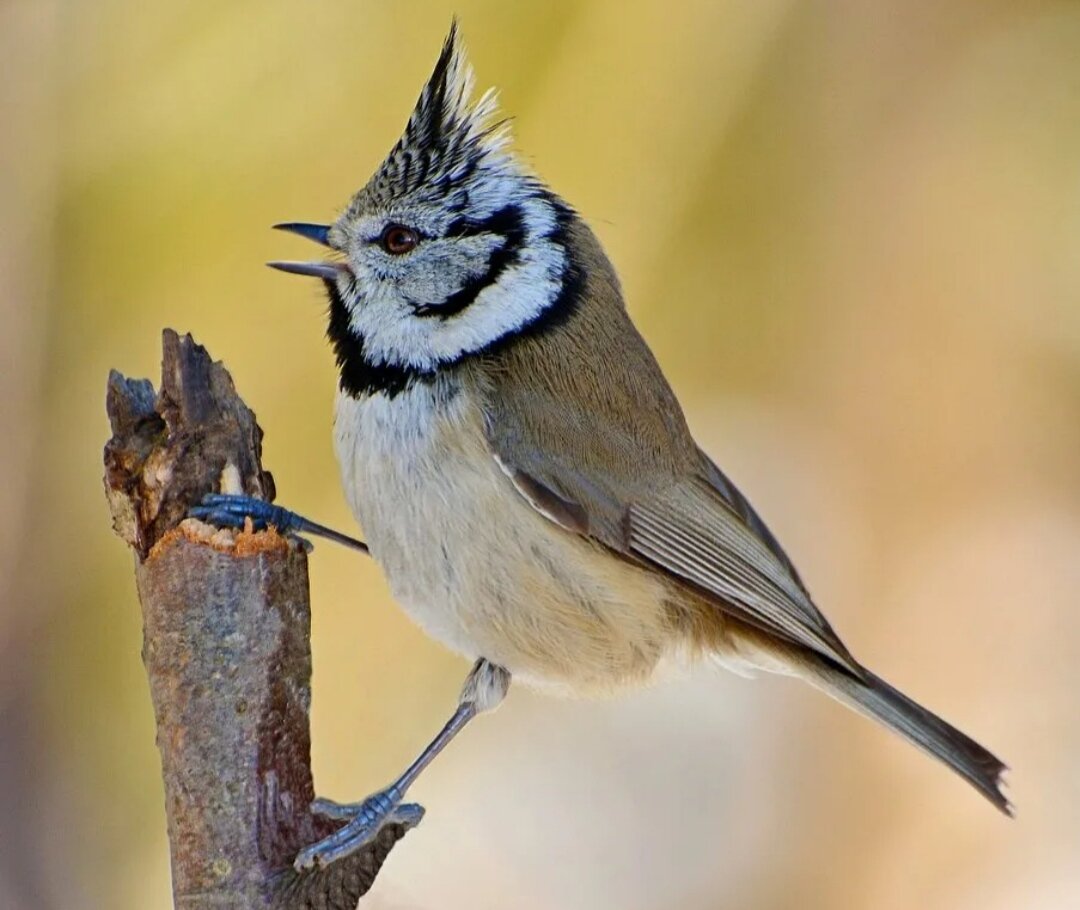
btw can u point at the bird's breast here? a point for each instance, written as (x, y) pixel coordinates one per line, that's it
(473, 563)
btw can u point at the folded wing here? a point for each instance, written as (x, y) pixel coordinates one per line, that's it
(691, 523)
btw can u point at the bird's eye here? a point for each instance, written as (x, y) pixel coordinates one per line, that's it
(398, 239)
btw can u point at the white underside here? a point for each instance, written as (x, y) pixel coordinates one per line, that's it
(474, 564)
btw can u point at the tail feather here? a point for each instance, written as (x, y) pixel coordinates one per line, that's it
(878, 700)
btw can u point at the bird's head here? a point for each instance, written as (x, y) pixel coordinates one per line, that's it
(450, 248)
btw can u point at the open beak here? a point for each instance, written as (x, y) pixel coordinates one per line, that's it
(329, 271)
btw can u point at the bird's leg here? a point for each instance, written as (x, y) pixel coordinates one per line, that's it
(229, 510)
(485, 687)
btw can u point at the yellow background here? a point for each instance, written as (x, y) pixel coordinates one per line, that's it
(851, 232)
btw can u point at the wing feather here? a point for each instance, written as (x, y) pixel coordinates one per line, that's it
(692, 535)
(727, 491)
(608, 456)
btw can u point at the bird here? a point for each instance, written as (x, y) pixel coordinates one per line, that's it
(522, 470)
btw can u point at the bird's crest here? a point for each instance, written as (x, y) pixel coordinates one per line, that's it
(448, 136)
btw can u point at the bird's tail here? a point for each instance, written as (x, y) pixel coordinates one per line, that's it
(876, 699)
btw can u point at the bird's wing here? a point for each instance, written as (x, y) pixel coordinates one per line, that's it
(660, 502)
(693, 532)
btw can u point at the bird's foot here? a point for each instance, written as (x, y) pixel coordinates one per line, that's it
(230, 510)
(364, 821)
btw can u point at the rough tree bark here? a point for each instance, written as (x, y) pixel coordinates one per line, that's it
(226, 646)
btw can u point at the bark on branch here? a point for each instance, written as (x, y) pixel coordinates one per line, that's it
(226, 623)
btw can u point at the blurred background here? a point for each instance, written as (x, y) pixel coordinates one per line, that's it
(851, 232)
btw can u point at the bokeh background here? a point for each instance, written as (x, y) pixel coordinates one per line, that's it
(851, 232)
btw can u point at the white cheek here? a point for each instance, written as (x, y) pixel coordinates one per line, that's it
(521, 294)
(394, 334)
(380, 317)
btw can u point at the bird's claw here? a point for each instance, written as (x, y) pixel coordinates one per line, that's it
(234, 510)
(230, 510)
(363, 822)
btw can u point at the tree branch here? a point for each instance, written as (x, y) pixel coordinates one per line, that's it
(226, 643)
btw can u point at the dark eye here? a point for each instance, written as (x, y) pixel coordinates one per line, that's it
(398, 239)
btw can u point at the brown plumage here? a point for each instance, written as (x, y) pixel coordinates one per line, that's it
(613, 446)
